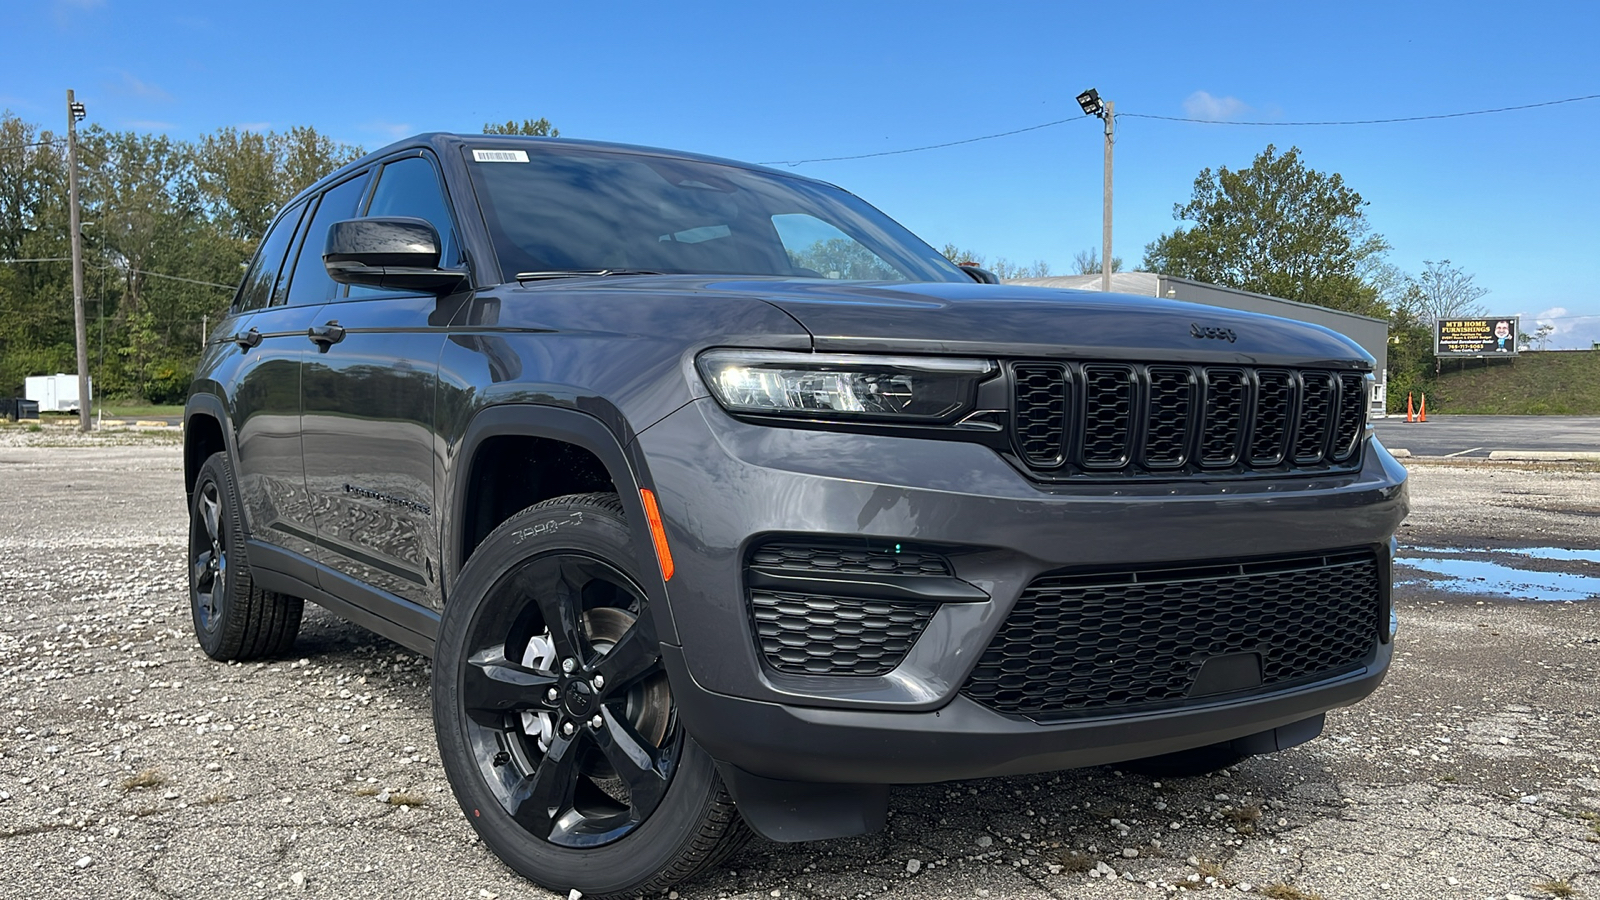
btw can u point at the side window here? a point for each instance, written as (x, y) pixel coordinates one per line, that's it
(256, 290)
(409, 187)
(311, 282)
(818, 249)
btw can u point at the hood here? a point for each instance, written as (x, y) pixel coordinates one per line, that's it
(1002, 320)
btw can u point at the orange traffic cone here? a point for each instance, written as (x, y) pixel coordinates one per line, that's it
(1411, 413)
(1423, 415)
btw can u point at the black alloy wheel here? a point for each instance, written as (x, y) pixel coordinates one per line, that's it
(233, 618)
(569, 710)
(555, 718)
(208, 557)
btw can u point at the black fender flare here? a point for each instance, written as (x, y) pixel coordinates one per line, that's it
(211, 406)
(622, 460)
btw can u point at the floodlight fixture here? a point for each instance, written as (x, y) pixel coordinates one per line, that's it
(77, 110)
(1090, 101)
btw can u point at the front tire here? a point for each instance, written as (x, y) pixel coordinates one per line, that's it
(233, 618)
(554, 717)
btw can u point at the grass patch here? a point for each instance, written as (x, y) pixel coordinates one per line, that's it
(1565, 383)
(1244, 818)
(216, 798)
(134, 411)
(1209, 868)
(149, 778)
(1282, 891)
(1076, 862)
(366, 790)
(1561, 887)
(404, 799)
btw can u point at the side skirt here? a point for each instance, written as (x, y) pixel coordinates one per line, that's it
(408, 624)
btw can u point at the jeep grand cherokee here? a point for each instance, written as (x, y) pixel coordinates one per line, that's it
(722, 502)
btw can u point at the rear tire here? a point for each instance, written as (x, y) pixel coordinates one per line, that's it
(233, 618)
(555, 721)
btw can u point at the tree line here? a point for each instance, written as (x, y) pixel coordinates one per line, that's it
(167, 228)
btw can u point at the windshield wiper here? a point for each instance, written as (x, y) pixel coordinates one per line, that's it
(580, 273)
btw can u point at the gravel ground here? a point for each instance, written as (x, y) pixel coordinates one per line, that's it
(132, 766)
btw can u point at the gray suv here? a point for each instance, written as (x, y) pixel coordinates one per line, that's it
(722, 502)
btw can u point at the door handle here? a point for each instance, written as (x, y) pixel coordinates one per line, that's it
(246, 339)
(325, 336)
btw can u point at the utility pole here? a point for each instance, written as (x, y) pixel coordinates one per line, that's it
(1092, 105)
(1105, 240)
(75, 111)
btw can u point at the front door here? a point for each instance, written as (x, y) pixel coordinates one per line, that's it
(368, 427)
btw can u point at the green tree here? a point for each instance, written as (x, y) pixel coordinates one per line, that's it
(539, 127)
(1276, 227)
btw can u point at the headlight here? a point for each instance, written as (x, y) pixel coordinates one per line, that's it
(843, 387)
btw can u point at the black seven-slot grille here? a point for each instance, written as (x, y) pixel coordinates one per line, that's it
(1101, 643)
(824, 619)
(1119, 419)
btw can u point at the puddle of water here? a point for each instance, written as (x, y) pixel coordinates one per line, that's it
(1467, 576)
(1533, 552)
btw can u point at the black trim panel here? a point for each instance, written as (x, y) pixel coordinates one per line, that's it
(399, 620)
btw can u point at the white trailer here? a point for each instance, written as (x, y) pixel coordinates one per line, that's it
(55, 393)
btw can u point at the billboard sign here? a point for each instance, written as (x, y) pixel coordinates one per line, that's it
(1477, 337)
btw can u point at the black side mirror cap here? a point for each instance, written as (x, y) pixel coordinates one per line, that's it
(981, 276)
(397, 252)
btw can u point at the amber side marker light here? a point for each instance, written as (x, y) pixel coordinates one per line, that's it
(658, 532)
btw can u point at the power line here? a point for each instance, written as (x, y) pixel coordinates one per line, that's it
(45, 259)
(987, 137)
(33, 144)
(1122, 115)
(1458, 115)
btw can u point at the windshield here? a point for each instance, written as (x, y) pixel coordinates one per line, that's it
(554, 209)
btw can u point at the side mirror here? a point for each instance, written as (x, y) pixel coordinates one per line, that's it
(397, 252)
(981, 276)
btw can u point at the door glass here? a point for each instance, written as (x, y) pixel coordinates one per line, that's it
(257, 286)
(820, 250)
(311, 282)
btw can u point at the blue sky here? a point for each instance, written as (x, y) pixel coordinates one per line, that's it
(1512, 198)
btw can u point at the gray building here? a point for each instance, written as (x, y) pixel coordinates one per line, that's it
(1372, 334)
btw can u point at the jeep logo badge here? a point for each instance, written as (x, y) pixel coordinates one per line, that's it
(1217, 333)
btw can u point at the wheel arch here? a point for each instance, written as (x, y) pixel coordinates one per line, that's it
(205, 431)
(503, 434)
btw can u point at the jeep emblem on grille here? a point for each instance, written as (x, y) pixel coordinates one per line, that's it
(1218, 333)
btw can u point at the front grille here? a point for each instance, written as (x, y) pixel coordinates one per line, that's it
(1111, 420)
(809, 634)
(1041, 399)
(1101, 643)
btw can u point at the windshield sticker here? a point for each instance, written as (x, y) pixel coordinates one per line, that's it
(499, 156)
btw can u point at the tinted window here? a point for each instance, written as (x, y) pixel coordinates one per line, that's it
(409, 187)
(311, 282)
(257, 287)
(819, 250)
(566, 208)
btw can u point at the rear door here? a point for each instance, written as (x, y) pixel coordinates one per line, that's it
(268, 336)
(369, 411)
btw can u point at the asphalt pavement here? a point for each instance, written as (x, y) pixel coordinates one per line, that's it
(1478, 436)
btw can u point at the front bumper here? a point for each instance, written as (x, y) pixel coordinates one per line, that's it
(723, 483)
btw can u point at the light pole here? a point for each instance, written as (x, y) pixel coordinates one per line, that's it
(75, 112)
(1106, 110)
